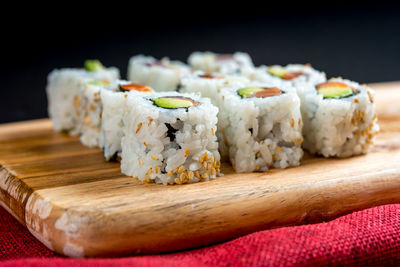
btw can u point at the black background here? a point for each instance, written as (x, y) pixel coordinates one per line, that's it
(355, 40)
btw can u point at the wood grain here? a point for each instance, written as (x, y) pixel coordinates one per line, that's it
(79, 205)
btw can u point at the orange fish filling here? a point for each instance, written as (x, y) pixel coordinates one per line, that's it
(135, 86)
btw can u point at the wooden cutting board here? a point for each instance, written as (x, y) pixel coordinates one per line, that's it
(78, 204)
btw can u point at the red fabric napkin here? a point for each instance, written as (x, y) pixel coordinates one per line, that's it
(368, 237)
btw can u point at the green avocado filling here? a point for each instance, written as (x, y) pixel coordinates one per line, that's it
(98, 83)
(258, 92)
(277, 71)
(335, 90)
(249, 91)
(93, 65)
(174, 102)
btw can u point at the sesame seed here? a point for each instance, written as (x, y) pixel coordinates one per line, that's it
(77, 101)
(223, 98)
(197, 174)
(150, 120)
(279, 149)
(150, 171)
(138, 127)
(92, 107)
(353, 121)
(144, 143)
(275, 157)
(258, 154)
(182, 176)
(181, 169)
(86, 120)
(209, 165)
(204, 164)
(299, 141)
(206, 156)
(170, 174)
(212, 172)
(153, 157)
(292, 123)
(299, 121)
(371, 98)
(363, 147)
(140, 162)
(261, 142)
(125, 95)
(219, 90)
(257, 167)
(204, 175)
(187, 151)
(177, 181)
(190, 175)
(212, 131)
(201, 159)
(156, 169)
(356, 101)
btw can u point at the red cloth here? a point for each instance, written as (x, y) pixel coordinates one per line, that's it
(371, 236)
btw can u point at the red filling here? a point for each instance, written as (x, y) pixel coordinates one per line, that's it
(291, 75)
(135, 86)
(210, 76)
(268, 92)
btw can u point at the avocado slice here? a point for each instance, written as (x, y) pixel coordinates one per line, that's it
(174, 102)
(93, 65)
(99, 83)
(277, 71)
(258, 92)
(334, 90)
(249, 91)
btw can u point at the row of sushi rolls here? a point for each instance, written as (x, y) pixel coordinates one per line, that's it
(173, 123)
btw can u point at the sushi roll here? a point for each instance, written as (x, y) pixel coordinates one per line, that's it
(261, 125)
(162, 75)
(113, 100)
(208, 85)
(63, 93)
(339, 118)
(290, 74)
(222, 63)
(169, 138)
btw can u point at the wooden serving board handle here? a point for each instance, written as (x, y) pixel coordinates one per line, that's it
(79, 205)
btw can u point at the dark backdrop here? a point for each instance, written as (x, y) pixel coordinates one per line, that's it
(359, 41)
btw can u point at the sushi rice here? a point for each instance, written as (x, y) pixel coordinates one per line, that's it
(170, 145)
(339, 127)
